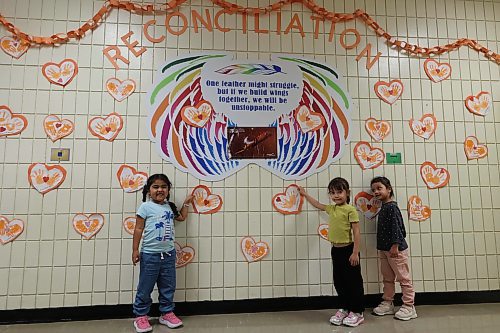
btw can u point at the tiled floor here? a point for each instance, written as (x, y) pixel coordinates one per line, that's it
(484, 318)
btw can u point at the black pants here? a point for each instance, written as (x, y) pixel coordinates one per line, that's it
(347, 280)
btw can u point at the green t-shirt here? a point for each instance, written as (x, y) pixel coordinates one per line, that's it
(339, 225)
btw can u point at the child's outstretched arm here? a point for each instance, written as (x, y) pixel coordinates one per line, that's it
(139, 228)
(311, 200)
(183, 213)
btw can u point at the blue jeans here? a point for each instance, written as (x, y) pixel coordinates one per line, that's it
(156, 268)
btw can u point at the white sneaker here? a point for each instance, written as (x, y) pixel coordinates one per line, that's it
(353, 319)
(384, 308)
(338, 317)
(406, 312)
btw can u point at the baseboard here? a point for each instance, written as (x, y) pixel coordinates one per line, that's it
(82, 313)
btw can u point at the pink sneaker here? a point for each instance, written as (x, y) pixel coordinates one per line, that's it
(171, 320)
(353, 319)
(142, 325)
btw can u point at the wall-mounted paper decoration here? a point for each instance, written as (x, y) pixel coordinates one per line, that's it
(425, 127)
(13, 46)
(62, 73)
(308, 120)
(368, 157)
(433, 176)
(184, 255)
(289, 202)
(437, 71)
(198, 115)
(45, 178)
(88, 225)
(287, 93)
(367, 204)
(57, 128)
(129, 224)
(389, 92)
(11, 123)
(253, 251)
(416, 210)
(130, 179)
(480, 104)
(377, 129)
(106, 128)
(204, 201)
(10, 230)
(323, 231)
(474, 150)
(120, 90)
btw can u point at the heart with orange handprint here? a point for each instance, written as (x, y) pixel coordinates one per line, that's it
(425, 127)
(45, 178)
(480, 104)
(198, 115)
(367, 204)
(437, 71)
(289, 202)
(378, 129)
(62, 73)
(204, 201)
(323, 231)
(474, 150)
(434, 177)
(120, 89)
(130, 179)
(129, 224)
(106, 128)
(416, 210)
(13, 46)
(88, 225)
(308, 120)
(183, 255)
(10, 230)
(368, 157)
(389, 92)
(57, 128)
(11, 123)
(253, 251)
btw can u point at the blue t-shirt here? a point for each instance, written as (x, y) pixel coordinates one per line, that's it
(159, 231)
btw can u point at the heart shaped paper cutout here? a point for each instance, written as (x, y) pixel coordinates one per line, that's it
(323, 231)
(367, 204)
(204, 201)
(198, 115)
(437, 71)
(183, 255)
(45, 178)
(474, 150)
(389, 92)
(130, 179)
(416, 210)
(13, 46)
(377, 129)
(480, 104)
(289, 202)
(88, 225)
(253, 251)
(368, 157)
(308, 120)
(425, 127)
(11, 123)
(129, 224)
(120, 89)
(10, 230)
(434, 177)
(62, 73)
(57, 128)
(106, 128)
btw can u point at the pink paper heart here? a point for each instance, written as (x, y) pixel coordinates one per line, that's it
(437, 71)
(13, 46)
(11, 123)
(367, 204)
(204, 201)
(289, 202)
(88, 225)
(57, 128)
(184, 255)
(308, 120)
(120, 90)
(10, 230)
(253, 251)
(389, 92)
(368, 157)
(62, 73)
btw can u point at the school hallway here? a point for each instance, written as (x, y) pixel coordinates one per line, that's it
(484, 318)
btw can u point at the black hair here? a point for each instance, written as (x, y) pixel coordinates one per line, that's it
(384, 181)
(151, 180)
(339, 184)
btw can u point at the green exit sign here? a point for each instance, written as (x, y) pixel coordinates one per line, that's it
(393, 158)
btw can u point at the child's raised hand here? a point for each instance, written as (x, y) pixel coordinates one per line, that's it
(189, 199)
(354, 259)
(301, 190)
(135, 257)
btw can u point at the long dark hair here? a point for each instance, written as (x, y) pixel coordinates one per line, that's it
(151, 180)
(339, 184)
(384, 181)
